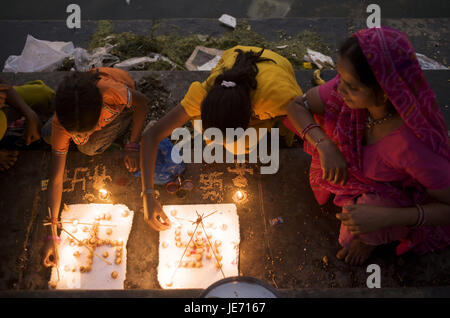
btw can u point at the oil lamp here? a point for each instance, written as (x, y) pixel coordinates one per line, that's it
(103, 194)
(239, 196)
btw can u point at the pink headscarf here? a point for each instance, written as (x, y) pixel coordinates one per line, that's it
(396, 68)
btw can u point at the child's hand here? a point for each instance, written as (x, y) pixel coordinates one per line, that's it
(132, 160)
(332, 161)
(154, 214)
(50, 255)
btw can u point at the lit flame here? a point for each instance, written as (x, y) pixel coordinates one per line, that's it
(103, 193)
(239, 195)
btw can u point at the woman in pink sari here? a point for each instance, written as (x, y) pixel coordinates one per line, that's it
(381, 146)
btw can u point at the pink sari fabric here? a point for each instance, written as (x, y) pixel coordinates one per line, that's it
(393, 61)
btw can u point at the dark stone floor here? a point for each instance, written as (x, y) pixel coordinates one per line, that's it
(288, 256)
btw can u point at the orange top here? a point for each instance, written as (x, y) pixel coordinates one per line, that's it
(114, 86)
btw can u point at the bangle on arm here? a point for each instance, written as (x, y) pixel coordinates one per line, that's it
(420, 217)
(132, 146)
(53, 238)
(305, 102)
(308, 128)
(148, 191)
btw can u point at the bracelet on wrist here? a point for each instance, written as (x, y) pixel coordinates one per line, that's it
(132, 146)
(53, 238)
(307, 129)
(305, 102)
(148, 191)
(420, 217)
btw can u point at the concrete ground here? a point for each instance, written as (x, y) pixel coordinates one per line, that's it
(289, 256)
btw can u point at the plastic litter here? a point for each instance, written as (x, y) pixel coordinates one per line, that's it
(140, 63)
(319, 59)
(203, 59)
(228, 20)
(100, 57)
(427, 63)
(39, 56)
(317, 79)
(46, 56)
(307, 65)
(135, 63)
(275, 221)
(165, 169)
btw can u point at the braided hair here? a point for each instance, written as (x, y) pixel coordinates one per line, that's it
(229, 106)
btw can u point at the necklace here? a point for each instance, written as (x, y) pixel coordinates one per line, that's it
(370, 122)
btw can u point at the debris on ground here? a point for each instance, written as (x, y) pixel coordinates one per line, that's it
(178, 48)
(275, 221)
(317, 80)
(203, 59)
(427, 63)
(39, 56)
(100, 57)
(319, 59)
(228, 20)
(307, 65)
(160, 97)
(143, 63)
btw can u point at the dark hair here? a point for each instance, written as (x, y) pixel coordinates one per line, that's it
(78, 102)
(230, 107)
(351, 50)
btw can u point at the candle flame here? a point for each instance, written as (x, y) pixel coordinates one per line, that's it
(103, 193)
(239, 195)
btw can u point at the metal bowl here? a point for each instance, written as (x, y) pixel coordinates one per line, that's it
(240, 287)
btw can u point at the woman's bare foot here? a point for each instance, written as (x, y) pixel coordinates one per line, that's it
(357, 254)
(7, 159)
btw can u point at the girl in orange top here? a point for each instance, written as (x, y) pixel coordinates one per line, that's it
(92, 109)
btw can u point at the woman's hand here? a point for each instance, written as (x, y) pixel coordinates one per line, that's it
(50, 258)
(32, 133)
(332, 161)
(132, 160)
(154, 214)
(363, 218)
